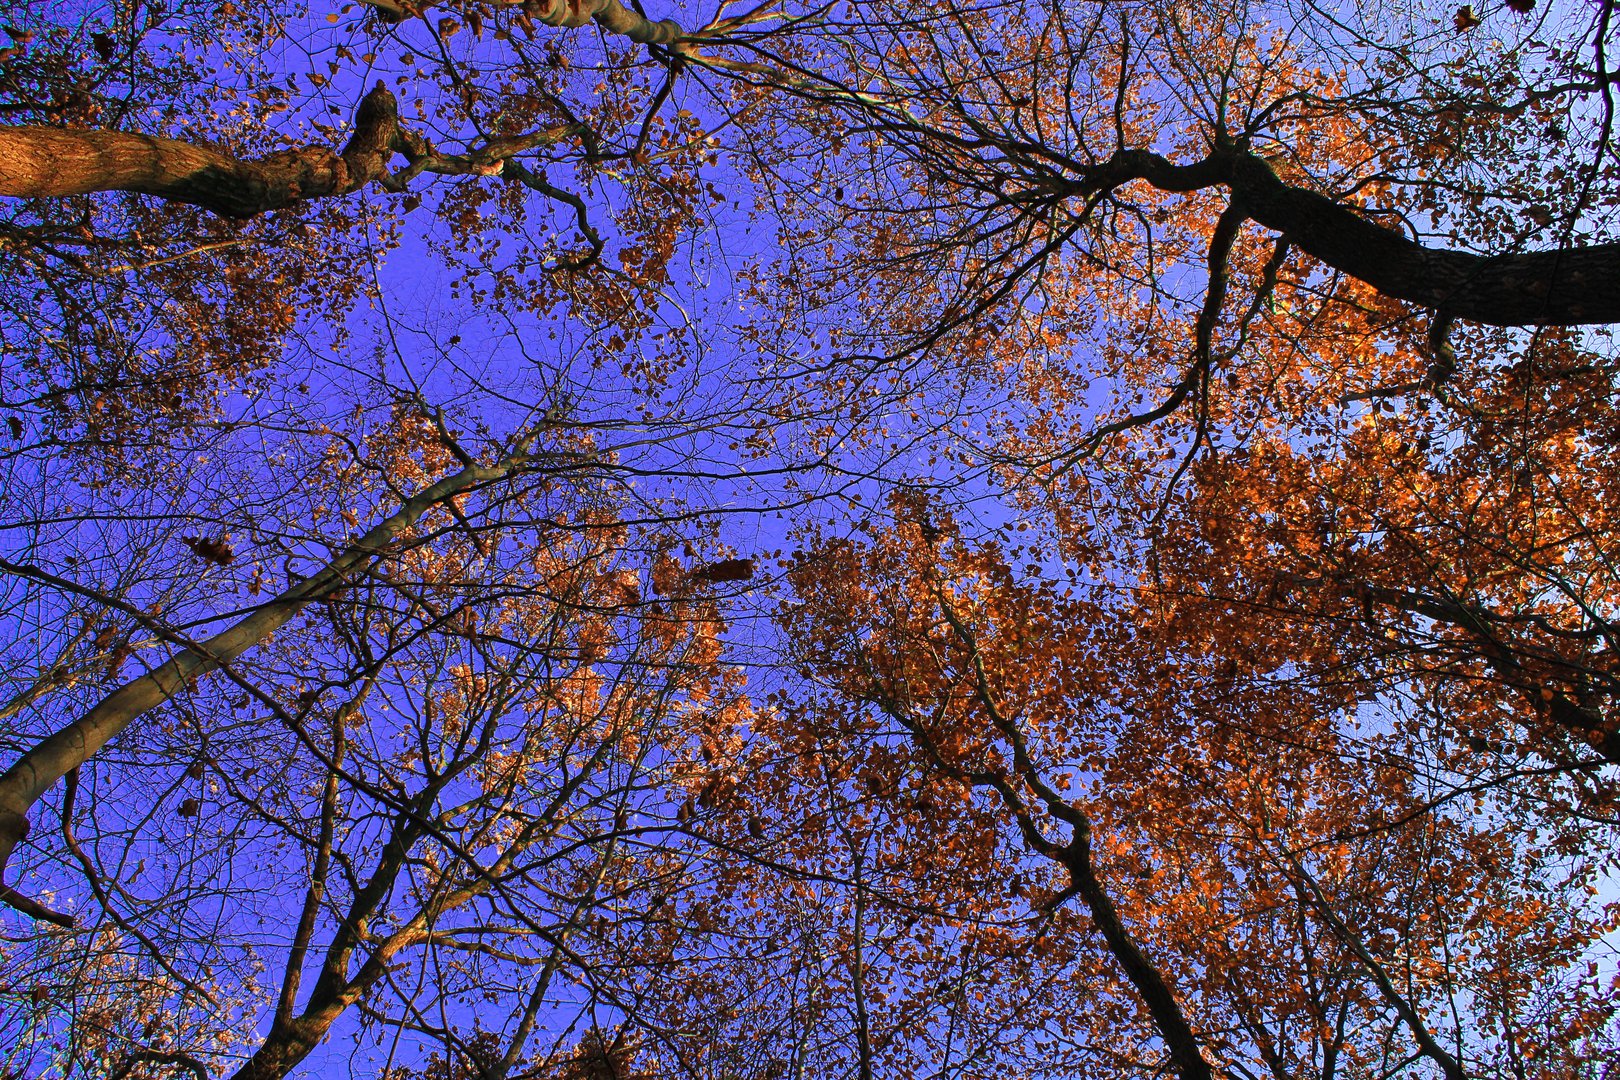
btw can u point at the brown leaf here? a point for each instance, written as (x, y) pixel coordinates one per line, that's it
(215, 549)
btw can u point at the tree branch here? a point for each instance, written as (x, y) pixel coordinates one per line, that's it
(1565, 287)
(40, 768)
(44, 162)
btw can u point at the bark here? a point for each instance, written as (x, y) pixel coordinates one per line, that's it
(1570, 286)
(44, 162)
(42, 767)
(1075, 856)
(610, 15)
(292, 1038)
(1178, 1035)
(1587, 724)
(1566, 287)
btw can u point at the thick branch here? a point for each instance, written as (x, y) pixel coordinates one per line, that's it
(292, 1038)
(1568, 287)
(1156, 994)
(40, 768)
(43, 162)
(1162, 1006)
(610, 15)
(1587, 724)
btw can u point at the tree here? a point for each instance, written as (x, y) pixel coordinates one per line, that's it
(1327, 501)
(1222, 680)
(403, 701)
(1080, 191)
(1337, 505)
(1240, 848)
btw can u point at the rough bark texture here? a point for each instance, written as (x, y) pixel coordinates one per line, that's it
(611, 15)
(43, 162)
(1574, 286)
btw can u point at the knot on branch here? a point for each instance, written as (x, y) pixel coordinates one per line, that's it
(376, 136)
(244, 189)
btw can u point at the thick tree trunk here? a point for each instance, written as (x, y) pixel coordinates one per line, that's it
(40, 768)
(42, 162)
(283, 1049)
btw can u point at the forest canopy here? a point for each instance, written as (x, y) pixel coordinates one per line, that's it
(574, 539)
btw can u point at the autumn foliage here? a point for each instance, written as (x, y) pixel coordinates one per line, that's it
(566, 540)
